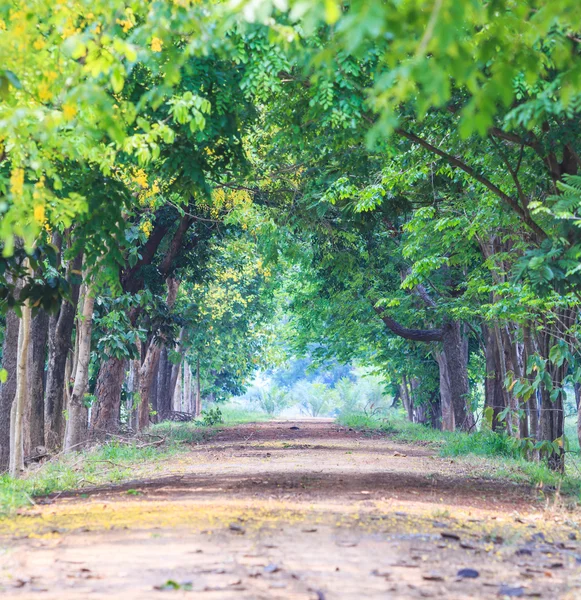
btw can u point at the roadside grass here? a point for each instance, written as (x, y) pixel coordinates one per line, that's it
(233, 414)
(110, 462)
(503, 459)
(115, 461)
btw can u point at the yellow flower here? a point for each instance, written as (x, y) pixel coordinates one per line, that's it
(146, 227)
(17, 181)
(156, 44)
(44, 92)
(39, 213)
(69, 111)
(39, 44)
(125, 23)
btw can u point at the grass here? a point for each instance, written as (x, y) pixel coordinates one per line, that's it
(102, 464)
(113, 461)
(504, 460)
(233, 414)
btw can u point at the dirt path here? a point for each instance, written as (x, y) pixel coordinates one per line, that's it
(305, 510)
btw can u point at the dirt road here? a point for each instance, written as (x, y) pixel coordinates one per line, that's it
(305, 510)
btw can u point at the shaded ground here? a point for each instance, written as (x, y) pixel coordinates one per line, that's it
(297, 510)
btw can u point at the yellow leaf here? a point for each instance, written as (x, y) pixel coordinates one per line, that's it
(69, 111)
(156, 44)
(332, 11)
(39, 213)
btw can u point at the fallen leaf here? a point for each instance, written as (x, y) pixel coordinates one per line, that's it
(432, 576)
(511, 592)
(271, 568)
(468, 573)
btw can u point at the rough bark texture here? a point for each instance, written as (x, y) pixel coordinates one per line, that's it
(408, 402)
(578, 403)
(415, 335)
(19, 404)
(445, 392)
(146, 374)
(36, 379)
(455, 352)
(493, 385)
(76, 431)
(177, 394)
(105, 419)
(164, 390)
(198, 406)
(59, 346)
(8, 389)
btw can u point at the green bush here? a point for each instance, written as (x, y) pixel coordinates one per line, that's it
(212, 416)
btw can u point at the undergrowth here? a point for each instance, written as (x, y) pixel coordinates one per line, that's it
(505, 459)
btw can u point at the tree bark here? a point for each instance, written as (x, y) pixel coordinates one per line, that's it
(177, 394)
(108, 391)
(455, 353)
(494, 396)
(19, 405)
(164, 392)
(407, 400)
(151, 362)
(198, 409)
(59, 347)
(36, 378)
(448, 423)
(577, 389)
(8, 388)
(76, 430)
(146, 373)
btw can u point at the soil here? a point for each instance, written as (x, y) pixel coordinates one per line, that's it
(297, 510)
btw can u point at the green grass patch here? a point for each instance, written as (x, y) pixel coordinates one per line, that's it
(102, 464)
(236, 415)
(504, 459)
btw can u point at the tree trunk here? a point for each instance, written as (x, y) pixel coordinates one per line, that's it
(133, 393)
(533, 402)
(19, 405)
(153, 390)
(108, 392)
(146, 373)
(36, 378)
(445, 392)
(494, 394)
(408, 402)
(150, 364)
(177, 393)
(164, 390)
(456, 359)
(8, 388)
(198, 409)
(59, 347)
(577, 389)
(76, 430)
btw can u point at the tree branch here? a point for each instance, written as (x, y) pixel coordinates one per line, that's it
(415, 335)
(456, 162)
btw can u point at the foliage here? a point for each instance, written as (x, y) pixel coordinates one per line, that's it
(504, 456)
(271, 400)
(212, 416)
(315, 399)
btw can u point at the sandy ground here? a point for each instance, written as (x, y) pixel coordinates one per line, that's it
(297, 509)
